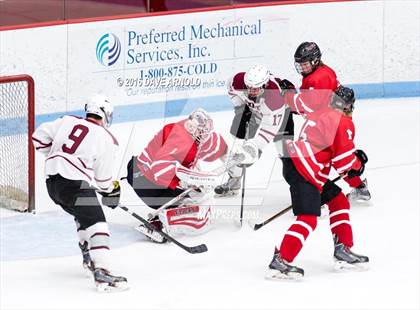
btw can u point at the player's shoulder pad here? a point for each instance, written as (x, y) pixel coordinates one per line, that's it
(73, 116)
(338, 119)
(272, 93)
(323, 72)
(273, 84)
(328, 69)
(114, 140)
(238, 81)
(177, 133)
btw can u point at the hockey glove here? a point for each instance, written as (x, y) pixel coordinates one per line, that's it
(251, 153)
(363, 160)
(112, 199)
(355, 173)
(287, 86)
(362, 156)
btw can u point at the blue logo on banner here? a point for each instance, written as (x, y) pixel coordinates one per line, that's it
(108, 49)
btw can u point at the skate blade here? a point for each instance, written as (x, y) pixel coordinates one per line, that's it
(152, 237)
(106, 288)
(226, 195)
(276, 275)
(361, 200)
(341, 266)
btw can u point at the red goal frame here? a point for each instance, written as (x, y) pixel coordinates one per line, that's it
(31, 126)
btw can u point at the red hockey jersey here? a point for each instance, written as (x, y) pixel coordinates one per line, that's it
(325, 140)
(173, 146)
(315, 92)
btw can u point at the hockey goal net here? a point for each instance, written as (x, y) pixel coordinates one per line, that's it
(17, 182)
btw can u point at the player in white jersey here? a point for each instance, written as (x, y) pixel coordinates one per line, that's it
(260, 117)
(80, 155)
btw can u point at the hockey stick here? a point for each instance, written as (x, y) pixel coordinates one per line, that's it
(242, 196)
(285, 210)
(241, 215)
(190, 249)
(170, 202)
(233, 161)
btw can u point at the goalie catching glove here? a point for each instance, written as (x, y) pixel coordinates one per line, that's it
(112, 198)
(250, 152)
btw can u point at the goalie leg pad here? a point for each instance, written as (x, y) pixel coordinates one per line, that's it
(186, 220)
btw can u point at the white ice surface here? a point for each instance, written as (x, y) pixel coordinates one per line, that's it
(231, 274)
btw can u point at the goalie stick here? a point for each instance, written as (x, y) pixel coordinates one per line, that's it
(190, 249)
(285, 210)
(233, 161)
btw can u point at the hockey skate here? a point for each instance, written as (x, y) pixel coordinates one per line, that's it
(106, 282)
(360, 193)
(230, 188)
(279, 269)
(345, 259)
(152, 234)
(87, 261)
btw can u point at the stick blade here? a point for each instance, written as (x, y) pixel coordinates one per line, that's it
(258, 226)
(198, 249)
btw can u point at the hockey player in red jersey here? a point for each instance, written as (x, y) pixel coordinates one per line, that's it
(168, 166)
(80, 154)
(318, 84)
(325, 141)
(261, 116)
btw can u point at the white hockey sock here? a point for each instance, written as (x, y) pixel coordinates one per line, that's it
(235, 172)
(99, 244)
(81, 233)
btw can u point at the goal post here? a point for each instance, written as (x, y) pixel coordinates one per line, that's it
(17, 158)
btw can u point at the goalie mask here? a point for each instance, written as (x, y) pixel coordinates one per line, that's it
(343, 99)
(101, 106)
(256, 79)
(200, 125)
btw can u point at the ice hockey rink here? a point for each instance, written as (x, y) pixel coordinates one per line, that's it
(41, 264)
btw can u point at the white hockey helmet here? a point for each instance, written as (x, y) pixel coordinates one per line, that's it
(256, 77)
(200, 125)
(101, 106)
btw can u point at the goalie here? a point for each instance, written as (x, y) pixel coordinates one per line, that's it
(169, 165)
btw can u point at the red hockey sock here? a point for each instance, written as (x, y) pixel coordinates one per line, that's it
(295, 236)
(340, 219)
(354, 181)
